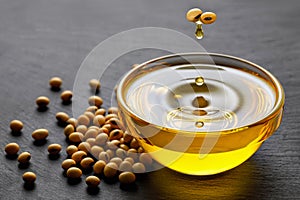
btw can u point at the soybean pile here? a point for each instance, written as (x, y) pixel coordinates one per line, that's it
(98, 143)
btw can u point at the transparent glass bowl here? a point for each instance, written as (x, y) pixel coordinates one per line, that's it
(254, 111)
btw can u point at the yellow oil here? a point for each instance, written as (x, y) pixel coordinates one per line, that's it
(199, 31)
(206, 140)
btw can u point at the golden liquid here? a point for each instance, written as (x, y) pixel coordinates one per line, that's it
(199, 31)
(195, 140)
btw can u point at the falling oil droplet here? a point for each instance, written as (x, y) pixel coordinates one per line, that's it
(199, 124)
(199, 81)
(199, 31)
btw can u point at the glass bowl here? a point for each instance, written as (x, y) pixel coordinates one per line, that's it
(200, 113)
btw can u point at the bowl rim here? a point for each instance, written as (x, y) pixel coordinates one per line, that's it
(278, 88)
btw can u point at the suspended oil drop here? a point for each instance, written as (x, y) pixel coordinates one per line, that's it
(199, 81)
(199, 124)
(199, 31)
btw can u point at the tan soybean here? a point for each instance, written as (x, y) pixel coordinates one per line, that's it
(76, 137)
(29, 177)
(42, 101)
(95, 101)
(115, 134)
(40, 134)
(66, 96)
(110, 170)
(55, 83)
(62, 117)
(24, 157)
(16, 125)
(96, 150)
(113, 110)
(92, 181)
(83, 120)
(125, 166)
(78, 156)
(68, 130)
(99, 166)
(71, 149)
(82, 129)
(116, 160)
(84, 146)
(208, 17)
(193, 14)
(99, 120)
(146, 159)
(87, 162)
(104, 156)
(100, 111)
(127, 178)
(138, 168)
(54, 149)
(95, 84)
(12, 148)
(68, 163)
(74, 172)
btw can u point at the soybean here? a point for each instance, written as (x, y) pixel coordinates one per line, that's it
(127, 178)
(68, 163)
(101, 139)
(104, 156)
(66, 96)
(146, 159)
(116, 160)
(24, 157)
(100, 111)
(138, 168)
(95, 101)
(29, 177)
(110, 170)
(68, 130)
(87, 162)
(125, 166)
(99, 166)
(12, 148)
(54, 149)
(134, 144)
(73, 122)
(208, 18)
(74, 172)
(78, 156)
(55, 83)
(116, 134)
(99, 120)
(81, 128)
(16, 125)
(92, 109)
(113, 110)
(62, 117)
(71, 149)
(193, 14)
(92, 181)
(42, 101)
(76, 137)
(83, 120)
(40, 134)
(90, 115)
(95, 84)
(96, 150)
(84, 146)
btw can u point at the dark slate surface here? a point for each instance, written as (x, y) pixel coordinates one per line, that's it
(40, 39)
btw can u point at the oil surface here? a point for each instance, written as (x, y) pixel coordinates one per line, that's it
(205, 139)
(235, 98)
